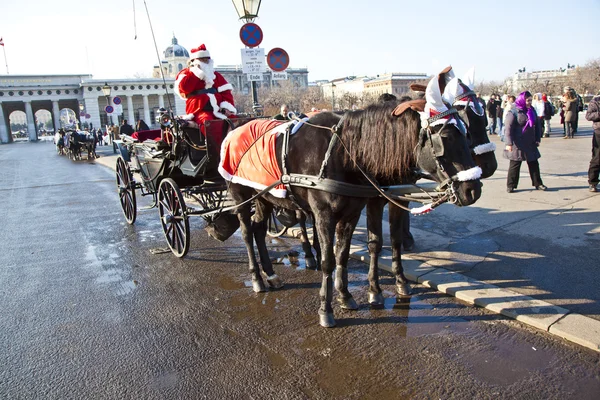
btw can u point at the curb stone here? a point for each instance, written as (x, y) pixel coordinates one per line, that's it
(539, 314)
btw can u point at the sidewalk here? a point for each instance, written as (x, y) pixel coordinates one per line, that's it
(529, 255)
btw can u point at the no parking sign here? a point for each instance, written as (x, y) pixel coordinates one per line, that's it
(109, 109)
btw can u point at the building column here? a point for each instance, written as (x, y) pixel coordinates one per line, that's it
(146, 110)
(4, 130)
(130, 111)
(92, 107)
(55, 115)
(30, 122)
(161, 101)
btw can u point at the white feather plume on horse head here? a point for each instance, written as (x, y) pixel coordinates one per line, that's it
(469, 78)
(453, 90)
(435, 103)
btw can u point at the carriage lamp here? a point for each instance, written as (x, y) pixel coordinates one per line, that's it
(247, 9)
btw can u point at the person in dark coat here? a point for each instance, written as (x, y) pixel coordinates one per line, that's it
(283, 114)
(491, 109)
(125, 128)
(522, 135)
(593, 114)
(571, 111)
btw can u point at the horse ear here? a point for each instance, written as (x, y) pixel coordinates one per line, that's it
(444, 77)
(469, 78)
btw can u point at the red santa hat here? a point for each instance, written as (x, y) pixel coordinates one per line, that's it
(199, 52)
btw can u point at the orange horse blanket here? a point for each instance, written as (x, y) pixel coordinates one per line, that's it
(248, 156)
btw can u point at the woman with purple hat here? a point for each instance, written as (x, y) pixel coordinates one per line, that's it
(522, 135)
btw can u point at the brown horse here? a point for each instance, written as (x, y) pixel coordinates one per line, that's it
(378, 141)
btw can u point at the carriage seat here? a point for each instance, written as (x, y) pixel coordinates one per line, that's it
(142, 136)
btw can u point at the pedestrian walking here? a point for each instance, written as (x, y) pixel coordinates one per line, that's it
(522, 135)
(571, 111)
(491, 109)
(593, 114)
(549, 111)
(509, 108)
(540, 109)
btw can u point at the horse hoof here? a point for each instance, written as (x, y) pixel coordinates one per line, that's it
(403, 289)
(258, 286)
(311, 263)
(348, 304)
(275, 282)
(376, 299)
(326, 320)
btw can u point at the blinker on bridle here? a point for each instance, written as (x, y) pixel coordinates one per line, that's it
(437, 146)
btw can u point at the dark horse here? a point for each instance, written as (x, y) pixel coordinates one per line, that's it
(383, 144)
(457, 93)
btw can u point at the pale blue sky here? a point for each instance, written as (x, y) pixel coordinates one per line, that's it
(332, 39)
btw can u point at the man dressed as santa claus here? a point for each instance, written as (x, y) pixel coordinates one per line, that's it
(207, 94)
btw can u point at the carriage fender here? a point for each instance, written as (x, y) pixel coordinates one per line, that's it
(123, 151)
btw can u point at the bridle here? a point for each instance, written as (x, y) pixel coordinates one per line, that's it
(468, 96)
(437, 147)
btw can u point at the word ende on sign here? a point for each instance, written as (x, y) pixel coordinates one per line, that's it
(253, 61)
(279, 76)
(254, 77)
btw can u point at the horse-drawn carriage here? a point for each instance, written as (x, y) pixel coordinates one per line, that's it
(331, 167)
(74, 143)
(173, 164)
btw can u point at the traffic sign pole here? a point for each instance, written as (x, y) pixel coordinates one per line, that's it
(251, 35)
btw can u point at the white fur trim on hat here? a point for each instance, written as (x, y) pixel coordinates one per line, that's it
(199, 54)
(228, 106)
(225, 87)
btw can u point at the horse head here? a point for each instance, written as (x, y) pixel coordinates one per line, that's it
(443, 149)
(460, 95)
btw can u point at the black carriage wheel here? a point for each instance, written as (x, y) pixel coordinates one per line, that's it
(174, 221)
(274, 227)
(126, 190)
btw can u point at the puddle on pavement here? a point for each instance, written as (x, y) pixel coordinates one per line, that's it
(263, 305)
(228, 283)
(504, 362)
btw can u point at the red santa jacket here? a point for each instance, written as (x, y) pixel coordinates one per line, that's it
(192, 79)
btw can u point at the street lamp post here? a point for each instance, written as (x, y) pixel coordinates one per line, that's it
(247, 10)
(106, 90)
(81, 108)
(332, 96)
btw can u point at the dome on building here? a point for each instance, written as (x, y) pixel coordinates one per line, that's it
(175, 50)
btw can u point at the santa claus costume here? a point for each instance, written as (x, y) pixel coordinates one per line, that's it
(206, 92)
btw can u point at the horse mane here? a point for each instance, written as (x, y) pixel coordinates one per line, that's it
(379, 142)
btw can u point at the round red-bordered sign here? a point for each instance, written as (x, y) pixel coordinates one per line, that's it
(251, 34)
(109, 109)
(278, 59)
(117, 100)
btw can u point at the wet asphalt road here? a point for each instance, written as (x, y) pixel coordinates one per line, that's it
(87, 311)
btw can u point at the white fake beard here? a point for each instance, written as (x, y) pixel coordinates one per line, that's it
(208, 69)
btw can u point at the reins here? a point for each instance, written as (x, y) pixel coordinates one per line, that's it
(336, 137)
